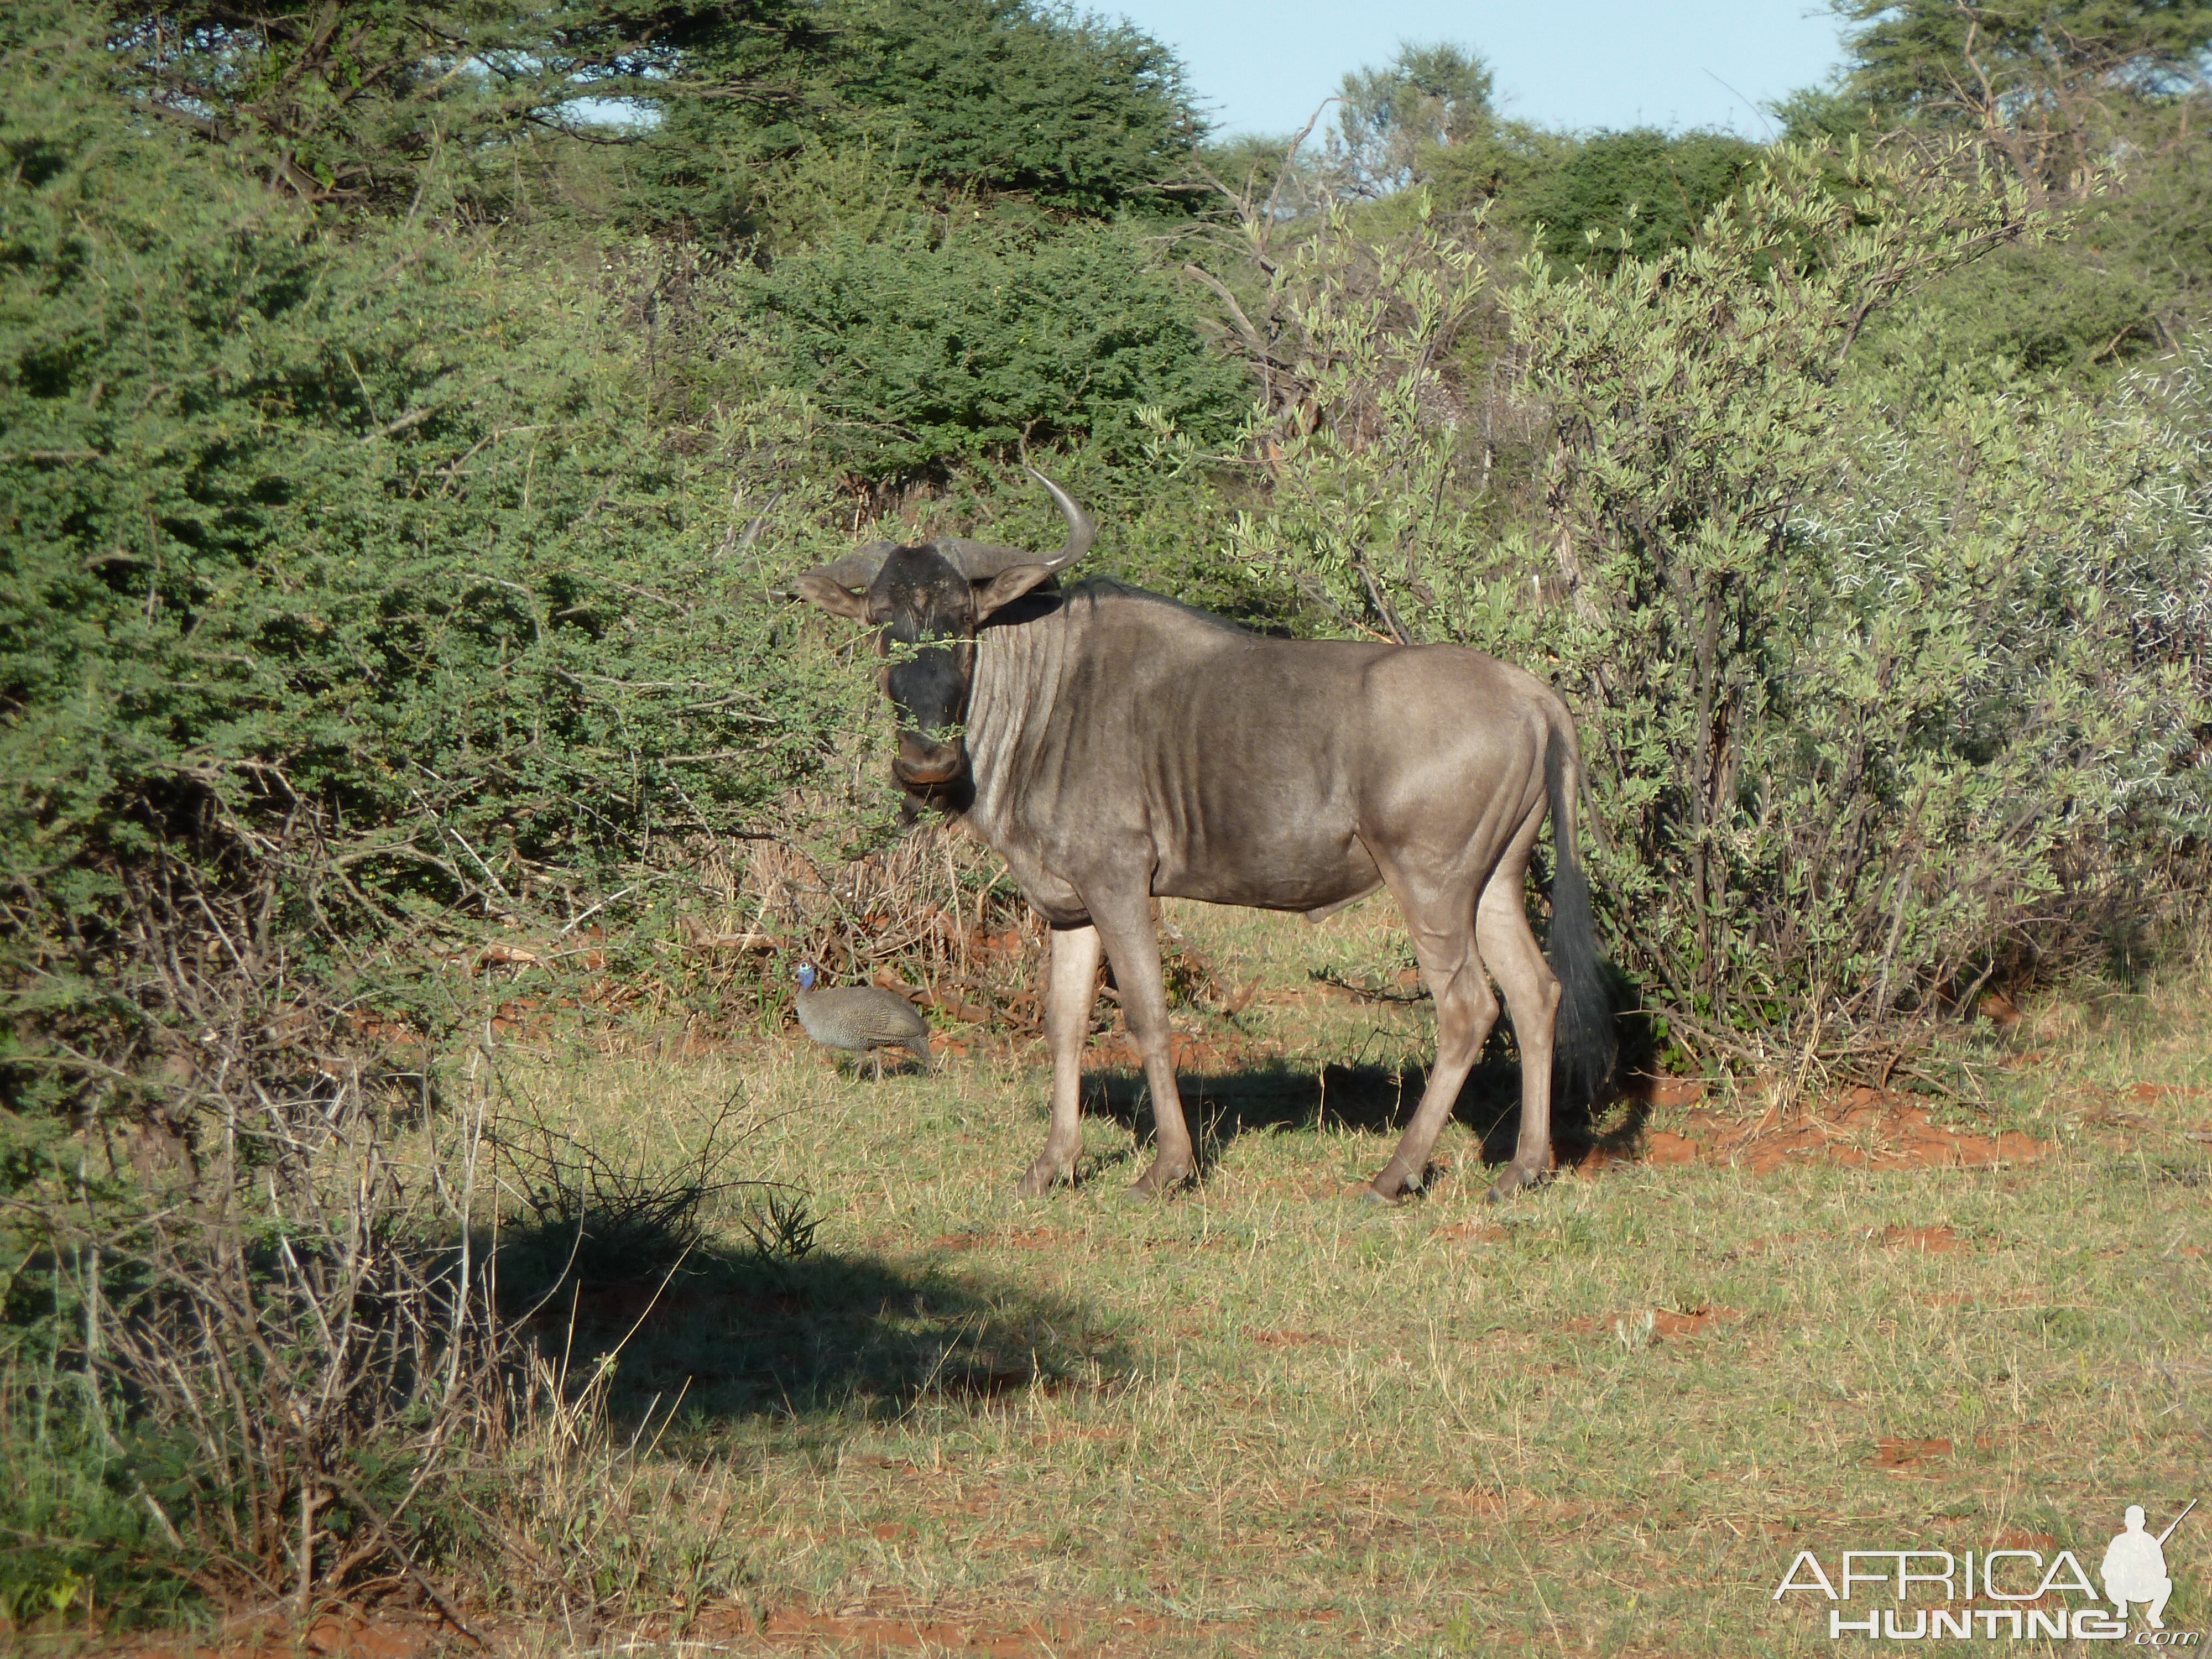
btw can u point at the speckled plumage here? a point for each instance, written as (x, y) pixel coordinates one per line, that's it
(862, 1019)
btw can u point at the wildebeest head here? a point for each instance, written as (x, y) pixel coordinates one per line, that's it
(925, 603)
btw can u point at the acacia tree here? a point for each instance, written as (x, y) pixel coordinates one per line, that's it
(1424, 97)
(997, 97)
(2056, 89)
(2098, 109)
(350, 107)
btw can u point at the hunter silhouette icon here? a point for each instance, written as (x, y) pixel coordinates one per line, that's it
(2135, 1567)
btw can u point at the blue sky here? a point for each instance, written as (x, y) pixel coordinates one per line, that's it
(1263, 65)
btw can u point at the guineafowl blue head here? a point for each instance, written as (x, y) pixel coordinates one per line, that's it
(805, 976)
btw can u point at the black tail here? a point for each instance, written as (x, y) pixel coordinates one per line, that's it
(1582, 1045)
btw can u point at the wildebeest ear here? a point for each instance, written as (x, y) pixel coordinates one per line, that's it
(841, 588)
(1007, 587)
(833, 596)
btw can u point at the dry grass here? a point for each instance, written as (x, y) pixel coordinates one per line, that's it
(1265, 1418)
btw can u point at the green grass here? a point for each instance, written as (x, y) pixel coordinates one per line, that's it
(1265, 1417)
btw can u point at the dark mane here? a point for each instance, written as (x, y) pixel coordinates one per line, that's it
(1102, 588)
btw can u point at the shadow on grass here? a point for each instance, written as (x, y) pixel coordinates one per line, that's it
(828, 1335)
(1274, 1096)
(689, 1279)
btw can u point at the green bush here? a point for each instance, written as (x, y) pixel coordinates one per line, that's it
(359, 534)
(353, 610)
(1594, 201)
(921, 352)
(984, 97)
(1873, 700)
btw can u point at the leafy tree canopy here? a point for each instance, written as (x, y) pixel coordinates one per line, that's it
(1597, 200)
(349, 105)
(1002, 96)
(2054, 82)
(1424, 97)
(2096, 105)
(997, 338)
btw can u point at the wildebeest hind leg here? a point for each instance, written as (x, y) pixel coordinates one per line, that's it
(1532, 994)
(1125, 924)
(1442, 926)
(1070, 990)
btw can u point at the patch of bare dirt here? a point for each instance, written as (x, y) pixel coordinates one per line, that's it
(2149, 1094)
(1935, 1239)
(1862, 1128)
(1668, 1323)
(1905, 1457)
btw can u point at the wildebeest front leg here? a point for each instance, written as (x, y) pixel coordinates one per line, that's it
(1070, 990)
(1134, 947)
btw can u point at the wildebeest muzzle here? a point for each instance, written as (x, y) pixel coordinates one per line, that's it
(929, 690)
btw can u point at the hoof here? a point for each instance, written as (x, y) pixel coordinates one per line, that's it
(1041, 1178)
(1162, 1179)
(1374, 1197)
(1390, 1187)
(1511, 1178)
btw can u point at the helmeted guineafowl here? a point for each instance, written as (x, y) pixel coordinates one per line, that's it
(862, 1019)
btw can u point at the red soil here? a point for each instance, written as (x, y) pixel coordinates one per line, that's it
(1932, 1239)
(1898, 1456)
(1862, 1128)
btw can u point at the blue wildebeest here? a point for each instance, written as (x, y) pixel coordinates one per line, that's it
(1112, 745)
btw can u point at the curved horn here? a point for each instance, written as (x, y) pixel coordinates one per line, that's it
(981, 561)
(857, 570)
